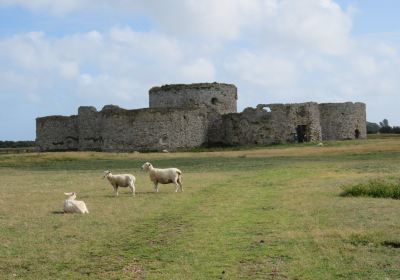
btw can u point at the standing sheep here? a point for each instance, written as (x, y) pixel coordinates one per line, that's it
(74, 206)
(164, 176)
(121, 180)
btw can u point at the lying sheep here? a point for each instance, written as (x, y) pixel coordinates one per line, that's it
(121, 180)
(164, 176)
(74, 206)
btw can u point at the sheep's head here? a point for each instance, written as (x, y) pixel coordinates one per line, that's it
(106, 173)
(147, 166)
(71, 194)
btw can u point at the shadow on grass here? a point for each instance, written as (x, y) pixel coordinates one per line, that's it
(392, 244)
(57, 212)
(137, 194)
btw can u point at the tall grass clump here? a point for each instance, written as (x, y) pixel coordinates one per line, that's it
(382, 188)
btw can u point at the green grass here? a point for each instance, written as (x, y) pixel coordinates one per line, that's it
(259, 213)
(374, 188)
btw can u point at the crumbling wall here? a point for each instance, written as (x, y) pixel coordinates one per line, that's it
(152, 129)
(57, 133)
(117, 129)
(341, 121)
(251, 127)
(288, 117)
(216, 96)
(271, 123)
(90, 129)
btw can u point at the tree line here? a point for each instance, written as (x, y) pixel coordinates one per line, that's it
(16, 144)
(382, 127)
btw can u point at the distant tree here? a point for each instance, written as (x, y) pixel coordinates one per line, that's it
(384, 123)
(385, 127)
(372, 128)
(396, 129)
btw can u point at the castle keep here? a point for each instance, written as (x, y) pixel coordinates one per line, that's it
(186, 116)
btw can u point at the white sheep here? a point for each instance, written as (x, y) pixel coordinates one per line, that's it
(164, 176)
(74, 206)
(121, 180)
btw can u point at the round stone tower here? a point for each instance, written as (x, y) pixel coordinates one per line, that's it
(340, 121)
(220, 97)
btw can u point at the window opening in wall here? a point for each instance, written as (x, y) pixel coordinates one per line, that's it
(163, 140)
(301, 133)
(264, 107)
(267, 109)
(357, 133)
(214, 101)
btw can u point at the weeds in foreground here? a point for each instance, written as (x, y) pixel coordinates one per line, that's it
(382, 188)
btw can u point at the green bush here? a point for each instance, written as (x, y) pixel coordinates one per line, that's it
(374, 188)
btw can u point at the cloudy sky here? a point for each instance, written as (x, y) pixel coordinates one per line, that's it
(58, 55)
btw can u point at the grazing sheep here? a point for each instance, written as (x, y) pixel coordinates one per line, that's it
(121, 180)
(164, 176)
(74, 206)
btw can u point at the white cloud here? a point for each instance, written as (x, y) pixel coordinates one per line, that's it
(69, 69)
(201, 70)
(263, 69)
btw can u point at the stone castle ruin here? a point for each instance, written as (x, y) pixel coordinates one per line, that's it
(194, 115)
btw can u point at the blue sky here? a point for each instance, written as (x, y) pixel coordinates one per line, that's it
(58, 55)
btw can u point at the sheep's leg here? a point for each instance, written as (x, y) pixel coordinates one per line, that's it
(155, 188)
(116, 190)
(179, 181)
(133, 189)
(177, 186)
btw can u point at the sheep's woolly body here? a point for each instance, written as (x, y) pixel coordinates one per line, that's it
(164, 176)
(74, 206)
(121, 180)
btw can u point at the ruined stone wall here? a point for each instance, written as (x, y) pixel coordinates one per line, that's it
(117, 129)
(57, 133)
(287, 118)
(152, 129)
(90, 129)
(341, 121)
(271, 123)
(220, 97)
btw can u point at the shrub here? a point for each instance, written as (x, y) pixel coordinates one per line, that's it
(374, 188)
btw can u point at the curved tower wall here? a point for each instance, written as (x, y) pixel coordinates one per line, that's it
(221, 98)
(341, 121)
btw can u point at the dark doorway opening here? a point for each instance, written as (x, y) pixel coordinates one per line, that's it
(301, 131)
(357, 133)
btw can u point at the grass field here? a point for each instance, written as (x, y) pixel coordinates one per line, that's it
(261, 213)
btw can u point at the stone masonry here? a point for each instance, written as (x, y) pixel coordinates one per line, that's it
(187, 116)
